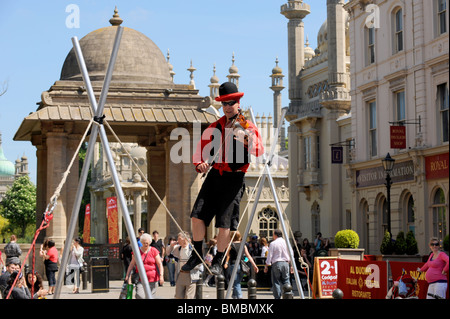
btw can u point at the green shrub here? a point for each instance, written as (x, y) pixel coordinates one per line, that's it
(400, 244)
(387, 247)
(411, 244)
(446, 243)
(346, 239)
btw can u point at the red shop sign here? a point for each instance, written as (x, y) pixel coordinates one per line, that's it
(436, 166)
(398, 136)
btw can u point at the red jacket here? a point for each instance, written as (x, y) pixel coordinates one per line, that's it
(232, 154)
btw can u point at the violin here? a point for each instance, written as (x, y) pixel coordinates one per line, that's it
(241, 120)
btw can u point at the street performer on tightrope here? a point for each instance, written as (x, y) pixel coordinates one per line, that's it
(223, 153)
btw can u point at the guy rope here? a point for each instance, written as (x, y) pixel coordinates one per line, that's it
(48, 214)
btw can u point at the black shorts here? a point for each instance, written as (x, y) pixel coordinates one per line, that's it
(220, 197)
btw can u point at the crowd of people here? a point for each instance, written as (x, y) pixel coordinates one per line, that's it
(29, 284)
(172, 256)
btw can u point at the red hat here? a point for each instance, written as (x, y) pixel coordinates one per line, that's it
(228, 92)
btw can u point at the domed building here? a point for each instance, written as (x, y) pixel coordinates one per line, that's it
(143, 107)
(9, 171)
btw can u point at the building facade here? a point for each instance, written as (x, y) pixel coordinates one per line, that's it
(319, 118)
(399, 78)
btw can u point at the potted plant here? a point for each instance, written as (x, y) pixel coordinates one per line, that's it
(346, 243)
(387, 247)
(411, 244)
(400, 244)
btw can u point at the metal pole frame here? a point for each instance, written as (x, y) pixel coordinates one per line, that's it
(267, 175)
(99, 129)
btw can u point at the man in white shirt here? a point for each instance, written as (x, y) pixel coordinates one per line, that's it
(278, 258)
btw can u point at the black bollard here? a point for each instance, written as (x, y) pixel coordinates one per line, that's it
(287, 292)
(84, 279)
(338, 294)
(251, 284)
(220, 284)
(199, 288)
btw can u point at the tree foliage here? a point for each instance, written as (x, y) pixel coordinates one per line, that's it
(19, 204)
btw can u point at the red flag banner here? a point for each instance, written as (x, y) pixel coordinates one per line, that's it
(362, 279)
(113, 223)
(87, 225)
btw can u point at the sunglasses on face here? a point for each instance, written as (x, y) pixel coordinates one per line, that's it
(231, 103)
(434, 244)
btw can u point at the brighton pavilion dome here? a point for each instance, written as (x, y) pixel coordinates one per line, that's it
(139, 59)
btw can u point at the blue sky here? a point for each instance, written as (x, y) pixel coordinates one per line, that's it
(35, 41)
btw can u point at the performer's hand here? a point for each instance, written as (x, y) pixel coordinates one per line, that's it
(241, 135)
(203, 167)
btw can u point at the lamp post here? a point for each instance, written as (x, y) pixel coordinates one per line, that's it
(388, 165)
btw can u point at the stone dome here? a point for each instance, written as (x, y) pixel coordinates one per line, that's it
(138, 59)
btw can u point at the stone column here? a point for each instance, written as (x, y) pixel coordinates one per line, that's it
(156, 174)
(57, 150)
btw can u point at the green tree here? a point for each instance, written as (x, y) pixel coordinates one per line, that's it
(19, 205)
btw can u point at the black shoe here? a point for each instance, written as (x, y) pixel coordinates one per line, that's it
(216, 267)
(191, 263)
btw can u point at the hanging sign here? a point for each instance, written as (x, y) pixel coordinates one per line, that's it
(325, 276)
(398, 136)
(337, 155)
(113, 223)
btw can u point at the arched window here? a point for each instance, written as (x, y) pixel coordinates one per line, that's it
(268, 222)
(439, 215)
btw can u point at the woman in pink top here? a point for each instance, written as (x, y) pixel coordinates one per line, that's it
(152, 264)
(437, 269)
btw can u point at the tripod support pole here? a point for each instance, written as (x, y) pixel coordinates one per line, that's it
(99, 129)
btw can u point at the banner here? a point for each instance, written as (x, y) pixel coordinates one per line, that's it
(398, 136)
(87, 225)
(362, 279)
(113, 222)
(325, 276)
(410, 269)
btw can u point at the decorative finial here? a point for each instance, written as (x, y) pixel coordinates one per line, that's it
(116, 20)
(192, 69)
(172, 73)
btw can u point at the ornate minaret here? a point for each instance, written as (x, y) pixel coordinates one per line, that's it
(234, 75)
(277, 86)
(295, 11)
(214, 89)
(337, 96)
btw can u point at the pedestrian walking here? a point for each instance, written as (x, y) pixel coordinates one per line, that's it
(186, 280)
(152, 264)
(51, 265)
(279, 260)
(12, 249)
(230, 263)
